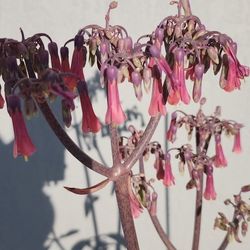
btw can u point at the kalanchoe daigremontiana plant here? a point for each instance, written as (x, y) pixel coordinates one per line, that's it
(35, 70)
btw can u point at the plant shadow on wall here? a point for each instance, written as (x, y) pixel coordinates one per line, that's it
(27, 214)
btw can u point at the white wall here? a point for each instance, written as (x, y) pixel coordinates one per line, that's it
(61, 20)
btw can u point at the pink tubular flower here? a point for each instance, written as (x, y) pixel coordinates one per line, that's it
(22, 142)
(219, 159)
(114, 113)
(158, 165)
(171, 133)
(179, 75)
(169, 179)
(229, 79)
(90, 122)
(156, 104)
(237, 143)
(210, 193)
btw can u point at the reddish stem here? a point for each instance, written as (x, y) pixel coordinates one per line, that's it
(224, 243)
(127, 222)
(69, 144)
(161, 233)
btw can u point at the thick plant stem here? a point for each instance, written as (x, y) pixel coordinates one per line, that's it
(198, 214)
(127, 222)
(161, 233)
(69, 144)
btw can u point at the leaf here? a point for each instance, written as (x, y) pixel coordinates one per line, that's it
(245, 188)
(88, 190)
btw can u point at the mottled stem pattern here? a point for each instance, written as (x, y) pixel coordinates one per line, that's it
(127, 221)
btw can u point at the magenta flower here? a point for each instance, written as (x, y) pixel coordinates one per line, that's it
(114, 114)
(90, 122)
(168, 175)
(237, 143)
(179, 75)
(22, 142)
(171, 133)
(209, 193)
(219, 159)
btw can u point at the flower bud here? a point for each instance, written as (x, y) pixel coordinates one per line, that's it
(78, 41)
(128, 44)
(154, 51)
(112, 73)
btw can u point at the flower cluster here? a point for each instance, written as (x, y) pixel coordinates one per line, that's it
(240, 219)
(204, 127)
(35, 71)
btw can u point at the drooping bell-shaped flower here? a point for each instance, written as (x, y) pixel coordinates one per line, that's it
(237, 142)
(136, 79)
(65, 67)
(169, 179)
(78, 60)
(209, 193)
(179, 75)
(219, 158)
(229, 79)
(158, 165)
(22, 142)
(157, 104)
(115, 114)
(198, 72)
(90, 122)
(53, 50)
(171, 133)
